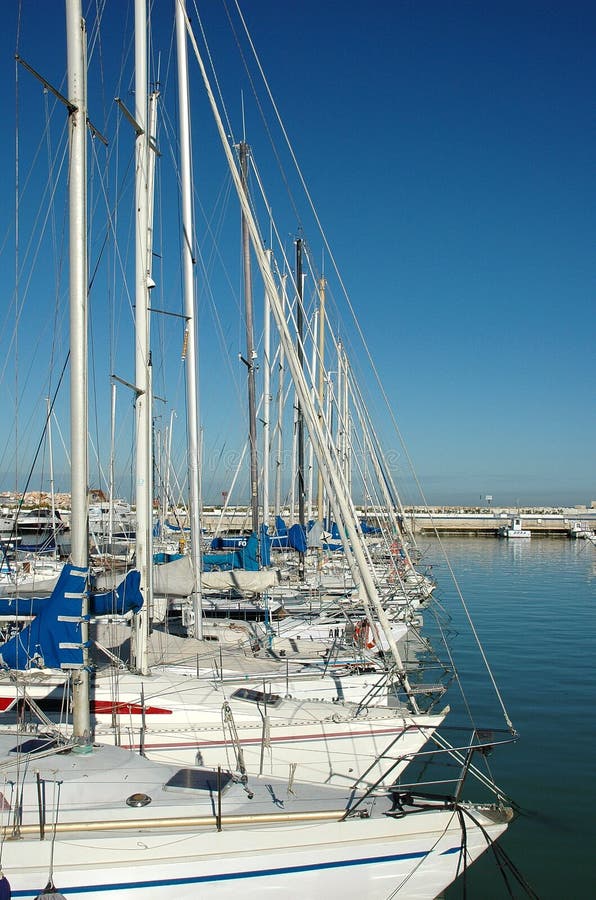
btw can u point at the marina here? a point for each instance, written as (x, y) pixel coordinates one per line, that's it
(282, 760)
(232, 657)
(570, 521)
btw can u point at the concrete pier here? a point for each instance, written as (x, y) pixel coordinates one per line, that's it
(461, 522)
(547, 522)
(456, 520)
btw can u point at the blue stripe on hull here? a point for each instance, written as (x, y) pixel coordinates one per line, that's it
(236, 876)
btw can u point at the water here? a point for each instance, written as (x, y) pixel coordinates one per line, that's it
(532, 603)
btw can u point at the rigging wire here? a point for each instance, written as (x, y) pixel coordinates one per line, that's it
(32, 467)
(261, 110)
(364, 342)
(23, 263)
(16, 293)
(503, 860)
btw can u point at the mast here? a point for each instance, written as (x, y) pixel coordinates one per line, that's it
(52, 493)
(266, 399)
(280, 409)
(300, 414)
(112, 455)
(168, 463)
(250, 351)
(190, 314)
(340, 436)
(77, 93)
(145, 141)
(311, 451)
(347, 425)
(294, 463)
(395, 508)
(321, 391)
(328, 431)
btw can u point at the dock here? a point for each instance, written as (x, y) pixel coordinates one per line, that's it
(444, 520)
(461, 522)
(568, 522)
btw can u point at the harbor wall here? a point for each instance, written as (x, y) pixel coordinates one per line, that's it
(444, 520)
(460, 520)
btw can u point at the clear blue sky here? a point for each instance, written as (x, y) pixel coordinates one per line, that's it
(449, 149)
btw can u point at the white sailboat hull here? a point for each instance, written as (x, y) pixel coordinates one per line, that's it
(414, 858)
(318, 753)
(120, 826)
(188, 721)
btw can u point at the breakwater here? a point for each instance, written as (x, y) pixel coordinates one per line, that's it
(547, 522)
(490, 524)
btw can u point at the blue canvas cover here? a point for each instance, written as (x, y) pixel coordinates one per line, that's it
(284, 537)
(53, 639)
(297, 538)
(237, 542)
(219, 562)
(369, 529)
(279, 538)
(244, 557)
(125, 598)
(19, 607)
(280, 526)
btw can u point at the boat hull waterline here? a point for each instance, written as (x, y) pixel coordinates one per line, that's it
(353, 859)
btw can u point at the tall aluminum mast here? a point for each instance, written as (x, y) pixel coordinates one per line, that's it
(192, 405)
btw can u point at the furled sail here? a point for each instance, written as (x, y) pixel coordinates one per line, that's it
(53, 639)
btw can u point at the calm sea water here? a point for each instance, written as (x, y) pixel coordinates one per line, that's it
(533, 605)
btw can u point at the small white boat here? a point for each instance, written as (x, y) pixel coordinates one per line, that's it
(515, 530)
(581, 530)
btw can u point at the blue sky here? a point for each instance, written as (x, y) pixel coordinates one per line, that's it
(449, 151)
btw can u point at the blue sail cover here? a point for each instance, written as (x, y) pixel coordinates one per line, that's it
(238, 542)
(245, 556)
(283, 537)
(125, 598)
(53, 639)
(368, 529)
(19, 607)
(279, 538)
(297, 538)
(280, 526)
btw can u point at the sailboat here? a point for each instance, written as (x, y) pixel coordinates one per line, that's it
(168, 712)
(91, 820)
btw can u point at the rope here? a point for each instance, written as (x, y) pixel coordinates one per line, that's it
(6, 806)
(292, 774)
(504, 862)
(421, 862)
(463, 853)
(57, 785)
